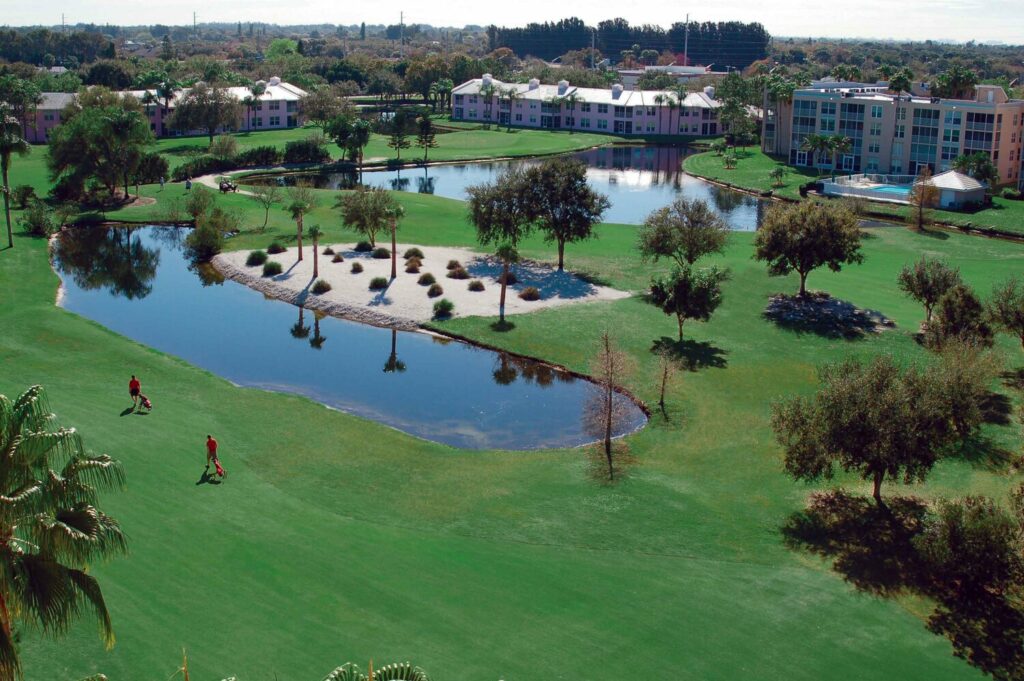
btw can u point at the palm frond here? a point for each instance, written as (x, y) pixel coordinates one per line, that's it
(401, 671)
(346, 672)
(89, 588)
(77, 536)
(98, 471)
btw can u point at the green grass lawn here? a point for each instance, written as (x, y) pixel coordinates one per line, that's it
(751, 173)
(339, 539)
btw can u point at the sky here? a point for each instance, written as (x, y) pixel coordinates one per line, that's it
(954, 20)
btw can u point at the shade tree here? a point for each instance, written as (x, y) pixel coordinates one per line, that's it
(683, 232)
(926, 281)
(1006, 308)
(688, 293)
(959, 317)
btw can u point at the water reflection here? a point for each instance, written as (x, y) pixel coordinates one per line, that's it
(637, 179)
(107, 258)
(430, 386)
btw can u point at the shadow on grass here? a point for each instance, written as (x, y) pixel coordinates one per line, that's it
(597, 463)
(1014, 378)
(503, 327)
(207, 478)
(692, 355)
(127, 411)
(824, 316)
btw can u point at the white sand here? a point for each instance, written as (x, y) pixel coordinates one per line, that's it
(405, 302)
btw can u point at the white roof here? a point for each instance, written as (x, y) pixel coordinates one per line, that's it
(951, 179)
(277, 92)
(591, 95)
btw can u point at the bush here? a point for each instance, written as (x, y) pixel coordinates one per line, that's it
(1011, 194)
(259, 156)
(256, 258)
(510, 280)
(203, 165)
(434, 291)
(476, 285)
(224, 146)
(275, 247)
(152, 166)
(207, 238)
(381, 253)
(412, 269)
(426, 279)
(530, 293)
(453, 264)
(37, 220)
(337, 258)
(309, 150)
(443, 308)
(320, 287)
(413, 253)
(458, 273)
(364, 247)
(328, 251)
(272, 268)
(22, 194)
(414, 262)
(357, 267)
(378, 284)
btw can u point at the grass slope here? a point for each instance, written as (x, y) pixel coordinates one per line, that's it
(338, 539)
(751, 172)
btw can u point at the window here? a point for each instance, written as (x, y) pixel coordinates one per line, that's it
(901, 114)
(275, 121)
(533, 105)
(828, 125)
(801, 158)
(48, 117)
(876, 110)
(874, 148)
(472, 99)
(533, 119)
(828, 108)
(519, 117)
(650, 127)
(950, 135)
(293, 106)
(570, 121)
(876, 129)
(602, 108)
(848, 161)
(602, 124)
(872, 165)
(585, 107)
(900, 132)
(584, 122)
(651, 111)
(274, 106)
(458, 112)
(953, 118)
(472, 113)
(620, 112)
(458, 99)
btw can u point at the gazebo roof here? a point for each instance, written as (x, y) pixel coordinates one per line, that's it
(951, 179)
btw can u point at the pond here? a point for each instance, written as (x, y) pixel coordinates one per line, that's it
(636, 179)
(138, 282)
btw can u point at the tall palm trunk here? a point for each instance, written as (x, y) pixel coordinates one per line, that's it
(394, 249)
(504, 286)
(6, 162)
(298, 223)
(316, 258)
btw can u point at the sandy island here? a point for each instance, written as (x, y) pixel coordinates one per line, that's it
(405, 303)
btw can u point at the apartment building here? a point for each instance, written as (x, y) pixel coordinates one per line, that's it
(563, 106)
(276, 108)
(898, 134)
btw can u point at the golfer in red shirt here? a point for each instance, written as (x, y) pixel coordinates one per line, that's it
(211, 455)
(134, 389)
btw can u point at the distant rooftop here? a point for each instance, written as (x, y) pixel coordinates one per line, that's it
(616, 95)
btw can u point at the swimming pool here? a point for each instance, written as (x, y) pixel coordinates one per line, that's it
(899, 189)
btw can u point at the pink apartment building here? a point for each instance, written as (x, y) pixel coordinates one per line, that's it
(563, 106)
(898, 135)
(278, 108)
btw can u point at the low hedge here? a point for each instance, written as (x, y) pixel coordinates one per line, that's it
(203, 165)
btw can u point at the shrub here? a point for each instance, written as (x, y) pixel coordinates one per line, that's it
(38, 220)
(443, 308)
(476, 285)
(256, 258)
(320, 287)
(381, 253)
(22, 194)
(207, 238)
(272, 268)
(458, 273)
(530, 293)
(510, 280)
(152, 166)
(453, 264)
(309, 150)
(363, 247)
(357, 267)
(275, 247)
(202, 165)
(328, 251)
(426, 279)
(337, 258)
(434, 291)
(223, 146)
(1010, 193)
(413, 253)
(259, 156)
(378, 284)
(412, 269)
(414, 262)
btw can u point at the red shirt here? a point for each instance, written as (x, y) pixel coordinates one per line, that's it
(134, 384)
(211, 445)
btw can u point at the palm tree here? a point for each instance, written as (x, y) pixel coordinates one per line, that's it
(838, 144)
(167, 90)
(394, 212)
(487, 92)
(667, 100)
(299, 330)
(511, 95)
(571, 100)
(900, 82)
(256, 90)
(303, 201)
(315, 233)
(317, 341)
(444, 89)
(508, 255)
(394, 364)
(816, 144)
(50, 526)
(11, 142)
(777, 173)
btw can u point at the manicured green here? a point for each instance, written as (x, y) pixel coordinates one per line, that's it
(753, 167)
(338, 539)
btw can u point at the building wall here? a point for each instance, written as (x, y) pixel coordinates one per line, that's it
(899, 136)
(631, 119)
